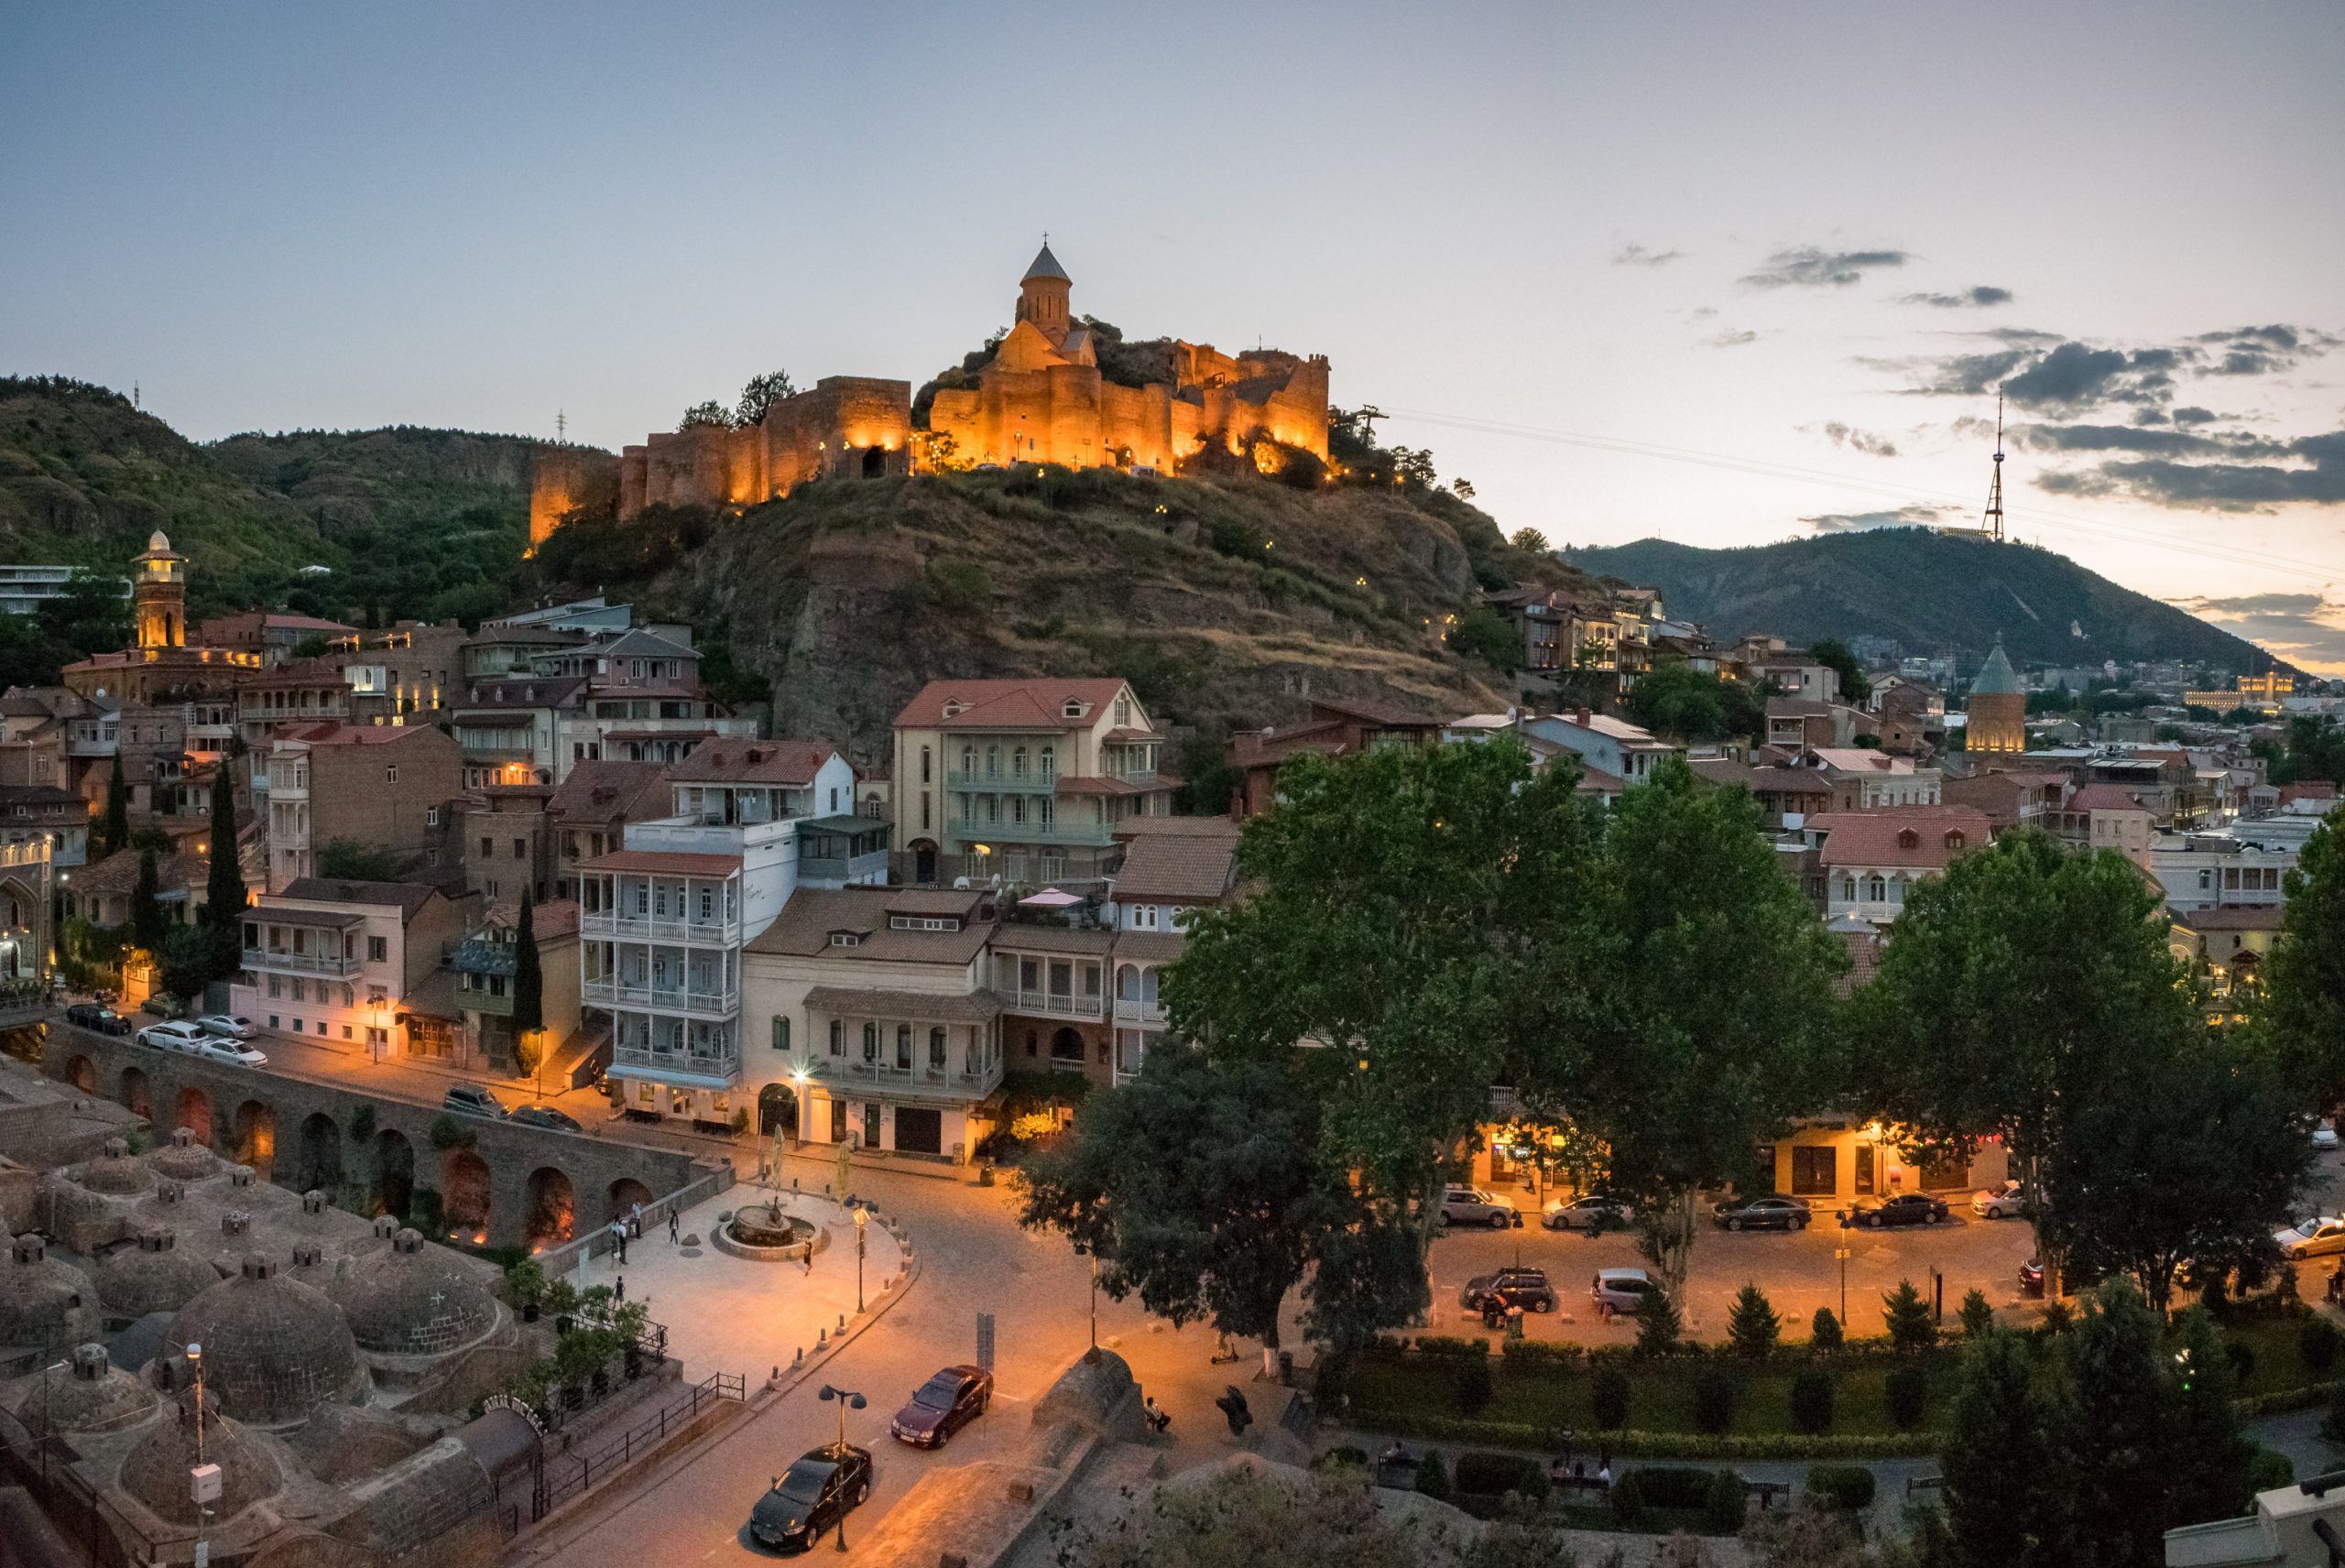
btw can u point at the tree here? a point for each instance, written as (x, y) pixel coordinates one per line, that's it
(147, 923)
(1907, 1318)
(2006, 1460)
(2305, 976)
(528, 978)
(1531, 540)
(1714, 985)
(1680, 701)
(1823, 1332)
(1202, 1187)
(183, 961)
(113, 827)
(1856, 687)
(1482, 633)
(2210, 1456)
(348, 860)
(759, 397)
(706, 415)
(1977, 1313)
(2120, 1433)
(1658, 1324)
(224, 893)
(1752, 1327)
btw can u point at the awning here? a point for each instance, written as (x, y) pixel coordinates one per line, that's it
(667, 1079)
(939, 1006)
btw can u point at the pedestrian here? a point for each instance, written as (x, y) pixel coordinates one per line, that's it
(806, 1259)
(621, 1229)
(635, 1219)
(619, 1292)
(1604, 1470)
(673, 1226)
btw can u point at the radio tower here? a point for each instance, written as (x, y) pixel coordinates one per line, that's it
(1993, 523)
(562, 428)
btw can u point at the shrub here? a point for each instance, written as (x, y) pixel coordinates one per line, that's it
(1658, 1324)
(1907, 1316)
(1542, 1352)
(2058, 1319)
(1716, 1494)
(2242, 1356)
(1482, 1473)
(1812, 1400)
(2332, 1423)
(1847, 1486)
(2268, 1470)
(960, 586)
(1342, 1457)
(1713, 1400)
(1908, 1388)
(1470, 1384)
(1723, 1504)
(1330, 1381)
(1823, 1331)
(447, 1132)
(1607, 1393)
(1752, 1328)
(1444, 1345)
(1977, 1316)
(2317, 1344)
(1433, 1476)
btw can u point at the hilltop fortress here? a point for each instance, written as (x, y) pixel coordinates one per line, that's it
(1042, 397)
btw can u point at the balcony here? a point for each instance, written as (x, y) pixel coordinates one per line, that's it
(1131, 1010)
(1044, 1003)
(633, 928)
(1084, 835)
(670, 1064)
(610, 993)
(486, 1003)
(831, 871)
(332, 964)
(999, 783)
(913, 1083)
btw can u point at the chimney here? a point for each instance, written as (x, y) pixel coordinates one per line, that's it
(1583, 716)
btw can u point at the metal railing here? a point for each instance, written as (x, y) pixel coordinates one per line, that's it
(570, 1474)
(1021, 1000)
(333, 963)
(663, 998)
(1029, 783)
(1130, 1010)
(706, 1064)
(884, 1075)
(559, 1260)
(1093, 835)
(634, 928)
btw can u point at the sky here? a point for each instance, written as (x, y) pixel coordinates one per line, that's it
(1722, 274)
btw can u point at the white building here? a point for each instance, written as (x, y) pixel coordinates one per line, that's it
(1605, 744)
(1870, 860)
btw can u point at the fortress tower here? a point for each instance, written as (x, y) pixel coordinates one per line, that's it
(1042, 296)
(158, 595)
(1996, 713)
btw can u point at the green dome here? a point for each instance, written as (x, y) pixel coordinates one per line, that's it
(1996, 677)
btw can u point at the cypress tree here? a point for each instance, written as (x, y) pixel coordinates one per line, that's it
(529, 979)
(114, 828)
(224, 893)
(2208, 1460)
(146, 906)
(2008, 1477)
(2122, 1425)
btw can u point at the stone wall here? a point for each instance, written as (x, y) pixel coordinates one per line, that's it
(562, 478)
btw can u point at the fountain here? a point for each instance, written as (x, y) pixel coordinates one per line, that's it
(767, 1233)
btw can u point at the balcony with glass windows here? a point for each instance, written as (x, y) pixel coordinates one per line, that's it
(1032, 782)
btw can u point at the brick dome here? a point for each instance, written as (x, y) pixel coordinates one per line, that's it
(184, 1159)
(116, 1172)
(412, 1300)
(95, 1394)
(274, 1349)
(152, 1274)
(156, 1472)
(44, 1301)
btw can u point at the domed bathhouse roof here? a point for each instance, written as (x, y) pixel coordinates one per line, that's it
(152, 1274)
(156, 1470)
(274, 1349)
(43, 1299)
(94, 1396)
(116, 1172)
(185, 1160)
(411, 1299)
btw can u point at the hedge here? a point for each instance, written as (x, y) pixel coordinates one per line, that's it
(1715, 1497)
(1482, 1480)
(1848, 1487)
(1629, 1443)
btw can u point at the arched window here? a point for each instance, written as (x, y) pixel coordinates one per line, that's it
(1050, 762)
(1876, 890)
(838, 1038)
(993, 761)
(936, 1049)
(968, 759)
(904, 1047)
(1147, 988)
(871, 1042)
(1849, 889)
(1018, 762)
(1127, 983)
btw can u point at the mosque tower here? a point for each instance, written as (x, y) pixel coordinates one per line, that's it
(158, 595)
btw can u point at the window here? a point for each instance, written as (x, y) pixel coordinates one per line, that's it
(432, 816)
(904, 1048)
(1018, 762)
(1143, 917)
(871, 1042)
(781, 1033)
(923, 765)
(838, 1038)
(391, 774)
(1050, 762)
(487, 849)
(1876, 890)
(379, 950)
(846, 938)
(708, 903)
(936, 1049)
(520, 849)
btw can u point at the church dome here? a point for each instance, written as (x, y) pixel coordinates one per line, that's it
(116, 1172)
(44, 1301)
(412, 1300)
(274, 1349)
(156, 1472)
(1046, 266)
(185, 1160)
(1996, 677)
(153, 1276)
(95, 1396)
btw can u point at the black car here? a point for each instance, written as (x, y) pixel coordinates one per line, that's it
(98, 1020)
(943, 1406)
(2031, 1277)
(810, 1496)
(1767, 1211)
(1525, 1288)
(1905, 1208)
(544, 1116)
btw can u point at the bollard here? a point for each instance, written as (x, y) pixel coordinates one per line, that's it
(802, 1359)
(821, 1338)
(842, 1322)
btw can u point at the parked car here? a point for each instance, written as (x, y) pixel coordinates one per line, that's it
(544, 1116)
(1623, 1290)
(2324, 1136)
(1517, 1286)
(171, 1036)
(473, 1100)
(1471, 1206)
(1589, 1210)
(98, 1020)
(1765, 1210)
(943, 1406)
(2031, 1277)
(2312, 1237)
(1905, 1208)
(227, 1026)
(824, 1487)
(1999, 1202)
(159, 1005)
(213, 1048)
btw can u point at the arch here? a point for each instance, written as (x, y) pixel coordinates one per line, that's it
(465, 1195)
(552, 1215)
(321, 1154)
(193, 1110)
(923, 861)
(777, 1110)
(138, 1093)
(1066, 1045)
(626, 1192)
(875, 463)
(256, 1137)
(82, 1073)
(393, 1188)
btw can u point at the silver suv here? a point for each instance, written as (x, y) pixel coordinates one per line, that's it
(1472, 1206)
(1622, 1290)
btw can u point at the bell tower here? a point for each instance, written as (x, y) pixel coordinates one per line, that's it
(1042, 296)
(158, 595)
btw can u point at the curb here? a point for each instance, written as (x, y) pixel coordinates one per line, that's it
(774, 1388)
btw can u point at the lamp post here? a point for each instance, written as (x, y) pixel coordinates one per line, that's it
(862, 1225)
(1083, 1251)
(1841, 1252)
(848, 1399)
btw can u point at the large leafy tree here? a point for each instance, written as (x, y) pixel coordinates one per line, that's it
(2305, 977)
(2006, 1459)
(224, 892)
(758, 396)
(2210, 1455)
(1856, 686)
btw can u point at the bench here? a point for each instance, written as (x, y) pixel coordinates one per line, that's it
(1769, 1493)
(1561, 1480)
(1924, 1484)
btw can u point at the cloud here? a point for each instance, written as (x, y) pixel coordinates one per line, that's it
(2263, 604)
(2119, 438)
(1855, 439)
(1732, 338)
(1637, 256)
(2192, 415)
(2075, 376)
(1975, 298)
(2306, 630)
(2310, 470)
(1914, 515)
(2045, 371)
(1806, 267)
(2261, 350)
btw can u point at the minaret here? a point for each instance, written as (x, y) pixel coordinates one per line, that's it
(1042, 296)
(158, 595)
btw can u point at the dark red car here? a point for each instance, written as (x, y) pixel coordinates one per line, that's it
(943, 1406)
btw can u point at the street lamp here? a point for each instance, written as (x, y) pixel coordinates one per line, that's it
(847, 1399)
(1841, 1252)
(1083, 1251)
(862, 1225)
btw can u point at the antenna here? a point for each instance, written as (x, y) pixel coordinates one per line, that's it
(562, 427)
(1993, 522)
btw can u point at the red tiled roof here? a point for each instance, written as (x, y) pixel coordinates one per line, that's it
(674, 862)
(2235, 917)
(753, 762)
(2103, 798)
(1927, 837)
(603, 789)
(1008, 704)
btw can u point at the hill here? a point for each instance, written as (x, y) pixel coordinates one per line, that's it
(1934, 593)
(1227, 601)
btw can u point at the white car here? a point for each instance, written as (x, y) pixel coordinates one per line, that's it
(226, 1025)
(2324, 1136)
(212, 1047)
(1589, 1210)
(1472, 1206)
(176, 1035)
(1999, 1202)
(2312, 1237)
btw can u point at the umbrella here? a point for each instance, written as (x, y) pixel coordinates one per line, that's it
(1050, 898)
